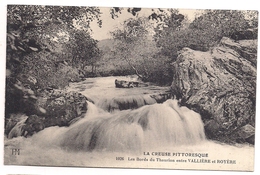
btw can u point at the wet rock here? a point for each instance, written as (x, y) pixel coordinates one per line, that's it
(161, 97)
(219, 84)
(62, 107)
(24, 125)
(126, 84)
(126, 102)
(247, 133)
(58, 108)
(32, 125)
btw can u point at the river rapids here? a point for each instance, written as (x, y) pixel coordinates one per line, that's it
(142, 134)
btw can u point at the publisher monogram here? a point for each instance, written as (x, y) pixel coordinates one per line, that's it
(15, 151)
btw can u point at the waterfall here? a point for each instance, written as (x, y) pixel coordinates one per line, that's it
(17, 130)
(149, 126)
(125, 102)
(125, 123)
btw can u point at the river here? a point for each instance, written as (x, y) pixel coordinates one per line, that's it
(141, 134)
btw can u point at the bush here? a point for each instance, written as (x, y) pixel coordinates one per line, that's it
(47, 71)
(204, 32)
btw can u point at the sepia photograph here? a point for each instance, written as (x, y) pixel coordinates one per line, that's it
(130, 87)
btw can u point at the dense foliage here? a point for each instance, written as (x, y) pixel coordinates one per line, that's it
(136, 47)
(47, 47)
(171, 31)
(56, 33)
(204, 32)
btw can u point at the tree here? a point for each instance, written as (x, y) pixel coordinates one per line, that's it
(204, 32)
(36, 40)
(135, 45)
(165, 31)
(219, 23)
(35, 28)
(252, 17)
(82, 49)
(131, 37)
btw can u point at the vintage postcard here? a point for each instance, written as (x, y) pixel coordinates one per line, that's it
(130, 87)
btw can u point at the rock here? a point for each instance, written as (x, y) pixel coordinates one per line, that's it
(245, 48)
(58, 108)
(32, 125)
(161, 97)
(248, 34)
(125, 84)
(62, 107)
(247, 132)
(219, 84)
(25, 126)
(126, 102)
(212, 129)
(244, 134)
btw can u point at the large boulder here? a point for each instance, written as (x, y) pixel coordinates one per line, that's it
(125, 84)
(219, 84)
(59, 108)
(62, 107)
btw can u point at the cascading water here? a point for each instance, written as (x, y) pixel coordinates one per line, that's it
(141, 125)
(123, 103)
(18, 129)
(106, 96)
(128, 131)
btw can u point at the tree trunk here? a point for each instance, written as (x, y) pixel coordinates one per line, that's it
(132, 66)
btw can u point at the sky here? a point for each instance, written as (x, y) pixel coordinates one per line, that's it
(109, 24)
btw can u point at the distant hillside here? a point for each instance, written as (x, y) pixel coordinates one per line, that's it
(109, 63)
(106, 44)
(143, 56)
(107, 47)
